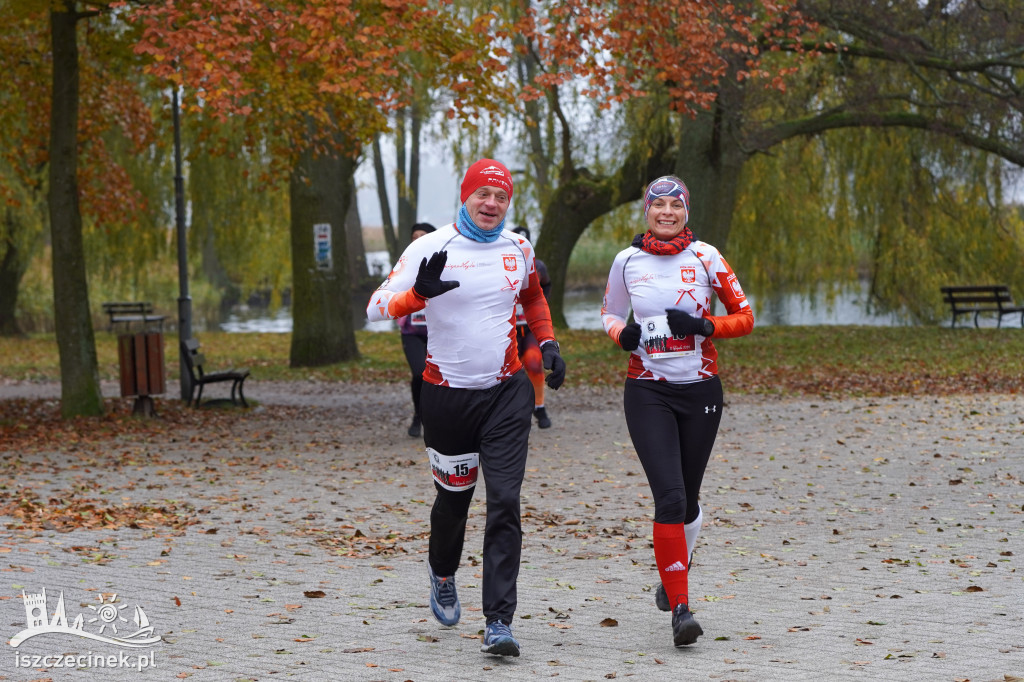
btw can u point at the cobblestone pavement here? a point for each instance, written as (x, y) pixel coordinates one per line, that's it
(867, 539)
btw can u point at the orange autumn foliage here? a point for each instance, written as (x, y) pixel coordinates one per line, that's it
(308, 70)
(623, 49)
(112, 99)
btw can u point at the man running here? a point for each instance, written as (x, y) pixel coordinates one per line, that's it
(476, 402)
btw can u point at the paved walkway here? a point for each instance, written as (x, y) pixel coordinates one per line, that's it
(862, 539)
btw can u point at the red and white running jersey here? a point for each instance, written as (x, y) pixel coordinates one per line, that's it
(649, 284)
(472, 340)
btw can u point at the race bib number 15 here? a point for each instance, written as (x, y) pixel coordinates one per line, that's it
(454, 472)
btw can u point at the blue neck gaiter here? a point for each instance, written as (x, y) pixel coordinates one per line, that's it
(468, 228)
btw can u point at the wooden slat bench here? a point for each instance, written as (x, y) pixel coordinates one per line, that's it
(981, 298)
(194, 362)
(127, 312)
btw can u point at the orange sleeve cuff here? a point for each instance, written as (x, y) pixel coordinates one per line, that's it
(733, 325)
(406, 303)
(615, 331)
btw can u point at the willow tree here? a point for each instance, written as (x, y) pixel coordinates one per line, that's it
(73, 81)
(23, 59)
(948, 69)
(239, 213)
(118, 159)
(319, 77)
(645, 66)
(901, 210)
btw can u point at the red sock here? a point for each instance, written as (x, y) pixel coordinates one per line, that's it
(670, 554)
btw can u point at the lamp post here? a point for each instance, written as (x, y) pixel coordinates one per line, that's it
(184, 299)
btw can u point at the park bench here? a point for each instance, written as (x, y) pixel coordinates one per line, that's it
(195, 362)
(982, 298)
(128, 312)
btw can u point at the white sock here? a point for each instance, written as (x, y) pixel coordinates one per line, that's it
(692, 530)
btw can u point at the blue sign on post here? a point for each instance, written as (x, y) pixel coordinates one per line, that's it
(322, 246)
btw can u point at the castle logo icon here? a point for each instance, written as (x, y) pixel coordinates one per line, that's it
(107, 619)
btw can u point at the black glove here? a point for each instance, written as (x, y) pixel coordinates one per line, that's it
(553, 361)
(683, 324)
(428, 280)
(629, 337)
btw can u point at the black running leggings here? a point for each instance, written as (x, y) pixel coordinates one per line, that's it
(415, 347)
(673, 428)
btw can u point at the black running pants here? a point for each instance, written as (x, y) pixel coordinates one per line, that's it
(415, 347)
(673, 428)
(496, 423)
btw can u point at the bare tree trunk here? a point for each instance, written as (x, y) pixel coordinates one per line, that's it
(407, 180)
(416, 125)
(385, 204)
(12, 268)
(357, 267)
(322, 313)
(79, 373)
(405, 215)
(712, 178)
(540, 160)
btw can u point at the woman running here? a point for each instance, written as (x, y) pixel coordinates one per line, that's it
(673, 396)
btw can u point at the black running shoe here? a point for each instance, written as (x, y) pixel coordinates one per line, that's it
(661, 598)
(543, 421)
(416, 428)
(685, 628)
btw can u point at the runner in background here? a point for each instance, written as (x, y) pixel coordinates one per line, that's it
(673, 396)
(529, 349)
(414, 344)
(476, 399)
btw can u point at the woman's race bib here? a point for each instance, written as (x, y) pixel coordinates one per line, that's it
(454, 472)
(658, 341)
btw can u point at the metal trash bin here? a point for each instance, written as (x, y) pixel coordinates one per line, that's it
(141, 362)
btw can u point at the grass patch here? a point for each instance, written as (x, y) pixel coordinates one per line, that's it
(775, 360)
(590, 262)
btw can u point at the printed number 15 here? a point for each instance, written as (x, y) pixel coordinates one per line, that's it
(462, 469)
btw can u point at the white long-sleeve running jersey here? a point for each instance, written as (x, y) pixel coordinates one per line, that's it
(650, 284)
(472, 340)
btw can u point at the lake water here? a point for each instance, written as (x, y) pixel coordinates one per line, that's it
(583, 310)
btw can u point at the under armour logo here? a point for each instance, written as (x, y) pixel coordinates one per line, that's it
(710, 408)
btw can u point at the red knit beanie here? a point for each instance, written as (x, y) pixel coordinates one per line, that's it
(486, 172)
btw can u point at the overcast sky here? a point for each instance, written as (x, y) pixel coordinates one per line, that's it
(439, 187)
